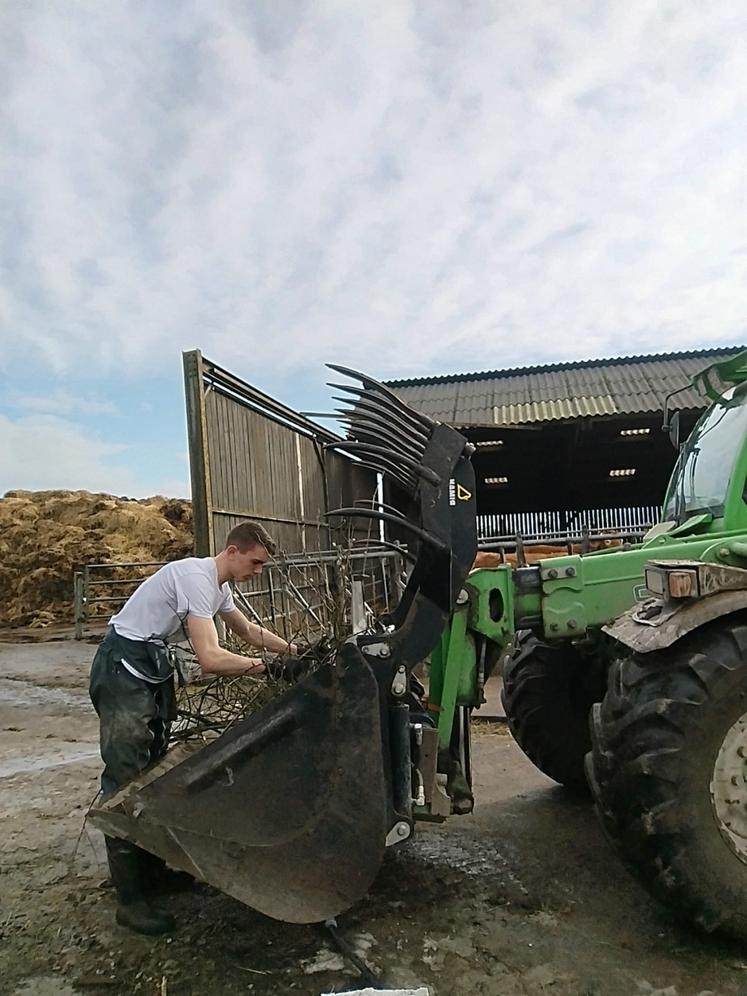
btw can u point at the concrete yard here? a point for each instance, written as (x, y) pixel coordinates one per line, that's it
(524, 897)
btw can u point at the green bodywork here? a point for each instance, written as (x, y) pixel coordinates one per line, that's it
(704, 517)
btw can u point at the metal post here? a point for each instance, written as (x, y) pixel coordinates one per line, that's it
(194, 390)
(78, 605)
(299, 471)
(358, 609)
(271, 593)
(385, 583)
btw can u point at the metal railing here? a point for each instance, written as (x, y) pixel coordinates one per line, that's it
(568, 524)
(518, 548)
(100, 590)
(295, 596)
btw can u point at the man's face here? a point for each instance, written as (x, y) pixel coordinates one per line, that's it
(248, 564)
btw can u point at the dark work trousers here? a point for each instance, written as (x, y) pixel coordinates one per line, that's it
(135, 717)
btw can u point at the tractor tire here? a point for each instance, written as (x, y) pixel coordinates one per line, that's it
(548, 690)
(669, 776)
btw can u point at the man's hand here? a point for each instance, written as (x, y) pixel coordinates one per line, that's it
(292, 667)
(288, 668)
(316, 650)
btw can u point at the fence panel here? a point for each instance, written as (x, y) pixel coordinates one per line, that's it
(253, 458)
(295, 596)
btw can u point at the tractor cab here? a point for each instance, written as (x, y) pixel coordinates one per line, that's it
(709, 481)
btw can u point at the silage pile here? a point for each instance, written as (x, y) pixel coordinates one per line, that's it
(47, 535)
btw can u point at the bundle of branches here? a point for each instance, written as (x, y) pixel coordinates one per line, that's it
(316, 600)
(209, 705)
(206, 708)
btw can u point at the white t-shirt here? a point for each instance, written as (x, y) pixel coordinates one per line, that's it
(158, 608)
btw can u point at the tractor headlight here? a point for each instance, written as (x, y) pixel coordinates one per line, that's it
(672, 582)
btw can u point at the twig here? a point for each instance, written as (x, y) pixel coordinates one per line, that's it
(254, 971)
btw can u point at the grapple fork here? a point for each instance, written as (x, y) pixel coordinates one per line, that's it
(291, 809)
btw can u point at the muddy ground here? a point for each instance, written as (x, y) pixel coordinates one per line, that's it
(523, 897)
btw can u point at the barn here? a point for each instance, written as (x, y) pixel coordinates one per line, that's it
(567, 448)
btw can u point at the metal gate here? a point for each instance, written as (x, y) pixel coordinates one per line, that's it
(295, 596)
(251, 457)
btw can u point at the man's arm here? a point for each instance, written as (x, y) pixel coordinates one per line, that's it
(256, 635)
(212, 657)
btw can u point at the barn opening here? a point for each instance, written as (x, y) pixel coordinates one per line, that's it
(568, 448)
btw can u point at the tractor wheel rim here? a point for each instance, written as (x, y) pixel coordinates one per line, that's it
(729, 788)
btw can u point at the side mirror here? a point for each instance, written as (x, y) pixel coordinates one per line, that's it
(674, 430)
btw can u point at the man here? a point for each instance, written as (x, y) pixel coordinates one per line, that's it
(132, 683)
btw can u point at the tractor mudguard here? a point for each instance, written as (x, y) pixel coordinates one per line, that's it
(630, 631)
(711, 591)
(286, 811)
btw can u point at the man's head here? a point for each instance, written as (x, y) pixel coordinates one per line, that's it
(247, 550)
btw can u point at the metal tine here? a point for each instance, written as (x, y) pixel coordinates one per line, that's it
(375, 503)
(397, 459)
(414, 465)
(383, 466)
(383, 404)
(383, 431)
(397, 456)
(375, 439)
(402, 439)
(381, 388)
(393, 424)
(368, 434)
(408, 486)
(387, 408)
(405, 414)
(403, 463)
(381, 447)
(370, 513)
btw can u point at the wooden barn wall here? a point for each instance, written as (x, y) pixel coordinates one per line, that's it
(248, 465)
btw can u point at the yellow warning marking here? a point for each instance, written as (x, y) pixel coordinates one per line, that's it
(463, 494)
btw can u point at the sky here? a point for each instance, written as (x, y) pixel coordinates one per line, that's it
(406, 187)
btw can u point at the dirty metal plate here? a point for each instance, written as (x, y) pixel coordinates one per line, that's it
(286, 811)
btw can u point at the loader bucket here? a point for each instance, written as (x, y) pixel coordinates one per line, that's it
(290, 809)
(286, 811)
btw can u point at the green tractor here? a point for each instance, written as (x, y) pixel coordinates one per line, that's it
(628, 671)
(291, 809)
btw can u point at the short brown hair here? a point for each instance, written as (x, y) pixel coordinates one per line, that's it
(248, 534)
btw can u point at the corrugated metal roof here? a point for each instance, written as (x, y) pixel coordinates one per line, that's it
(546, 411)
(630, 385)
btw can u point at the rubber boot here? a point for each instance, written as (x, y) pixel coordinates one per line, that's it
(133, 909)
(160, 878)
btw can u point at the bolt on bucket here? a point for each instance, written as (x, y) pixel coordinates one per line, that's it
(286, 811)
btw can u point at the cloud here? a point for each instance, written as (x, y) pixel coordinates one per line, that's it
(44, 451)
(63, 403)
(41, 452)
(400, 187)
